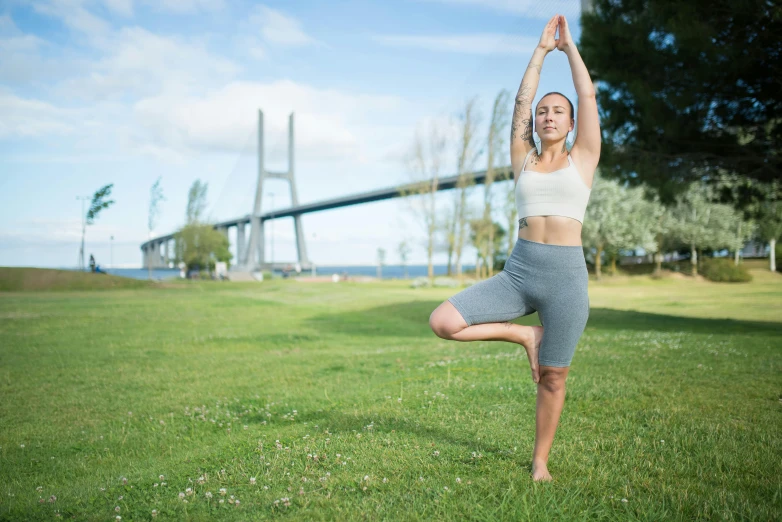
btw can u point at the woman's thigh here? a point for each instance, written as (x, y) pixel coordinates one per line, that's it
(491, 301)
(563, 313)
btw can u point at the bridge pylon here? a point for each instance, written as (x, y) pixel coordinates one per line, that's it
(253, 256)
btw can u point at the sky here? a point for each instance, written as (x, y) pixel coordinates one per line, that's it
(94, 92)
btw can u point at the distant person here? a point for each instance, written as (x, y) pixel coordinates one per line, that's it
(92, 263)
(546, 272)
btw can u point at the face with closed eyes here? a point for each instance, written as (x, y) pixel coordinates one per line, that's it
(552, 118)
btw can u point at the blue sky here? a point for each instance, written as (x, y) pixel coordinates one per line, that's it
(124, 91)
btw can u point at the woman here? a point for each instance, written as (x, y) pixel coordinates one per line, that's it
(546, 271)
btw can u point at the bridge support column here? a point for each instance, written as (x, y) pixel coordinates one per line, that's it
(257, 221)
(240, 255)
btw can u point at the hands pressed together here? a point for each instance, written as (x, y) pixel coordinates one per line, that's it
(548, 39)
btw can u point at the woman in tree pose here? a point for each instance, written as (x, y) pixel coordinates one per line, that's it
(546, 271)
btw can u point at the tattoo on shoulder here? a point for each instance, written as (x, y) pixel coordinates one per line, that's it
(522, 223)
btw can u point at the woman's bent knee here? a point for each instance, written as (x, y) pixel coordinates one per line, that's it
(445, 321)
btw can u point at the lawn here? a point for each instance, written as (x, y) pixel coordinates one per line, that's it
(324, 401)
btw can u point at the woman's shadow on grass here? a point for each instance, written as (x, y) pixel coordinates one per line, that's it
(411, 319)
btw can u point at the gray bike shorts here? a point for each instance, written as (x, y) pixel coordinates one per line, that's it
(548, 279)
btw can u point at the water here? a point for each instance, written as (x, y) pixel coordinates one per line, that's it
(389, 272)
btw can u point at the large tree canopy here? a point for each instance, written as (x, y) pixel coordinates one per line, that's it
(687, 90)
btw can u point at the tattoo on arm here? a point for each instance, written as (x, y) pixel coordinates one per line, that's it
(522, 223)
(522, 116)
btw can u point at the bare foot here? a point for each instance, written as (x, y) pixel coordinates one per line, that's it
(533, 335)
(540, 472)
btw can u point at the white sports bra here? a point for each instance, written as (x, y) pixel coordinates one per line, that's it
(559, 193)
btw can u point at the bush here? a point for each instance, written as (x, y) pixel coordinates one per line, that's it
(724, 271)
(778, 255)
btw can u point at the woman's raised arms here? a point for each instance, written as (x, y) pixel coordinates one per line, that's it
(521, 141)
(586, 149)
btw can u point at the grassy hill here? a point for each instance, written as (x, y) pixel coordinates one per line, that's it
(13, 279)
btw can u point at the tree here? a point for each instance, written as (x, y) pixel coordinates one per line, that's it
(196, 202)
(465, 165)
(404, 252)
(477, 231)
(770, 228)
(155, 198)
(701, 223)
(381, 260)
(425, 163)
(484, 241)
(97, 204)
(199, 246)
(686, 89)
(617, 218)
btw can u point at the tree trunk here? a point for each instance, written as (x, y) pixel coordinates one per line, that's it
(598, 262)
(694, 260)
(738, 249)
(658, 260)
(772, 256)
(613, 264)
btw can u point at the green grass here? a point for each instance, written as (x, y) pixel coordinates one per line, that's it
(674, 406)
(17, 279)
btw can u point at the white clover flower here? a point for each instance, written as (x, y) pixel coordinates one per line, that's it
(118, 517)
(181, 495)
(223, 491)
(222, 500)
(385, 480)
(236, 502)
(189, 491)
(154, 513)
(266, 487)
(252, 480)
(39, 488)
(445, 488)
(458, 480)
(624, 500)
(161, 477)
(116, 509)
(436, 453)
(208, 494)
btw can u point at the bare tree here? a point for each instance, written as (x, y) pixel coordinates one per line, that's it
(465, 165)
(196, 202)
(404, 254)
(494, 151)
(425, 163)
(155, 198)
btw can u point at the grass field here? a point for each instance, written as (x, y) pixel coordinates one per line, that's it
(330, 401)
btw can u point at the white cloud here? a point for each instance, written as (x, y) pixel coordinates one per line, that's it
(143, 63)
(527, 8)
(279, 28)
(74, 15)
(484, 44)
(32, 118)
(188, 6)
(120, 7)
(329, 123)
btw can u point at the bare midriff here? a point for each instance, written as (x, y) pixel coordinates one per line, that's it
(552, 230)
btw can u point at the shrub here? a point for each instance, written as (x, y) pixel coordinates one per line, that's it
(778, 255)
(724, 271)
